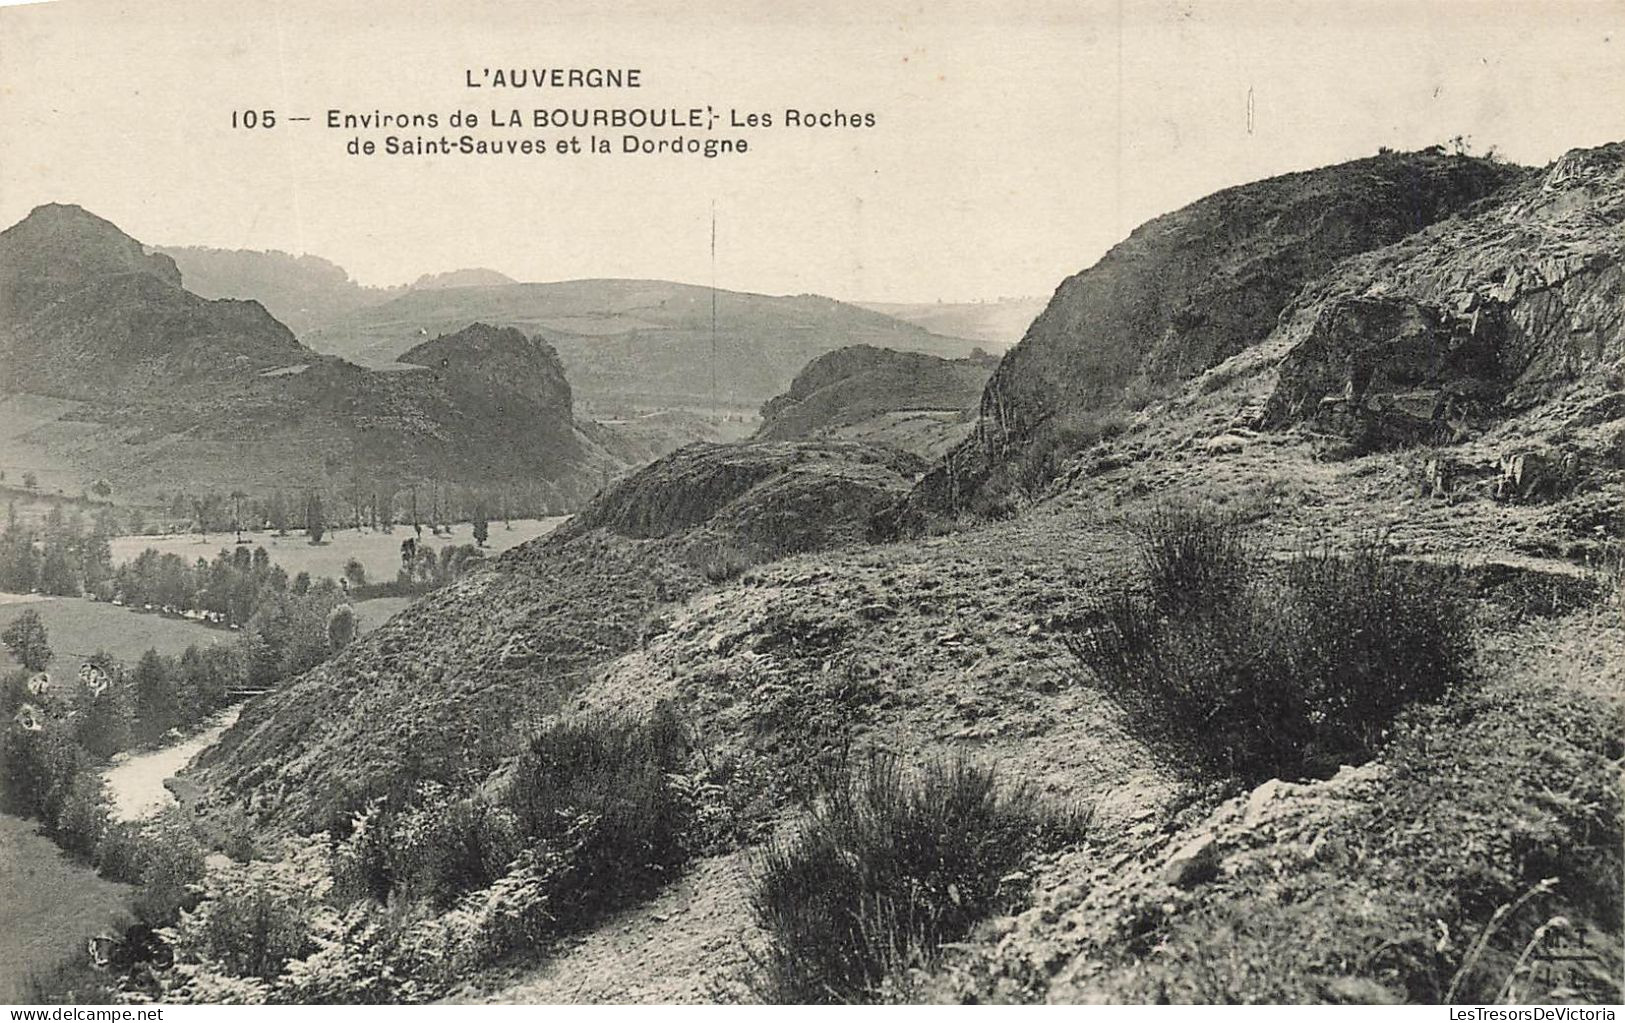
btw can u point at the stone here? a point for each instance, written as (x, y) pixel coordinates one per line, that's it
(1194, 862)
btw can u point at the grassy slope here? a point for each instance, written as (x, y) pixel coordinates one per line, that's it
(79, 628)
(953, 631)
(51, 906)
(1372, 887)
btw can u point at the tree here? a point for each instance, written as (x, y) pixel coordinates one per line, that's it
(340, 627)
(279, 514)
(157, 708)
(30, 480)
(103, 728)
(355, 572)
(101, 488)
(482, 528)
(314, 527)
(237, 513)
(28, 641)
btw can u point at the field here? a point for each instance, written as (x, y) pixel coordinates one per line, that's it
(379, 552)
(79, 628)
(51, 905)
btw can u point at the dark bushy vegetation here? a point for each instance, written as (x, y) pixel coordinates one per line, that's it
(886, 872)
(62, 558)
(1247, 668)
(425, 889)
(604, 783)
(28, 641)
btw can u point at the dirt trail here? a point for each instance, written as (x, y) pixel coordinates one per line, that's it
(674, 948)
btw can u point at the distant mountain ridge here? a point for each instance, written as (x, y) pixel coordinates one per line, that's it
(476, 277)
(302, 291)
(1001, 323)
(636, 344)
(630, 345)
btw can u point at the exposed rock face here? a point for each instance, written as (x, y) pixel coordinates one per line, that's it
(1470, 319)
(775, 497)
(861, 384)
(1390, 371)
(1192, 288)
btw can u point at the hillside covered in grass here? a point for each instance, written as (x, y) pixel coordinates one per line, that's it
(1294, 678)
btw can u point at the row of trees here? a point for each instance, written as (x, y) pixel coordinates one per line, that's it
(63, 557)
(431, 506)
(233, 586)
(133, 706)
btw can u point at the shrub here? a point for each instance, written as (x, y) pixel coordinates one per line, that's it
(885, 873)
(439, 847)
(1195, 562)
(82, 818)
(169, 860)
(28, 641)
(725, 562)
(1240, 671)
(600, 785)
(353, 962)
(340, 627)
(120, 855)
(254, 917)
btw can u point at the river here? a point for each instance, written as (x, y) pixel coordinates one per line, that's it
(135, 781)
(49, 902)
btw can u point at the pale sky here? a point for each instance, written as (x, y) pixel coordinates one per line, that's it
(1015, 142)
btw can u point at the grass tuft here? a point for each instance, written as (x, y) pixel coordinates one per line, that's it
(886, 872)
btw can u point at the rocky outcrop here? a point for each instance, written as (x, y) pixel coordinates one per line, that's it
(1470, 320)
(499, 362)
(773, 498)
(851, 387)
(85, 312)
(1190, 289)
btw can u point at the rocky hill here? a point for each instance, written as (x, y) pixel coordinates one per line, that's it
(85, 312)
(1183, 293)
(864, 391)
(156, 388)
(498, 651)
(1339, 397)
(633, 344)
